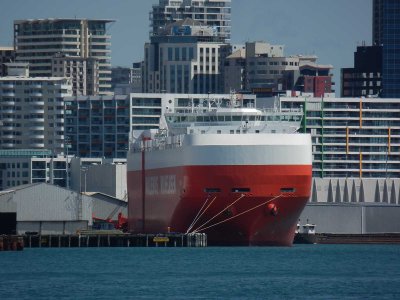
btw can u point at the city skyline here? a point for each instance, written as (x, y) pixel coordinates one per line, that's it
(330, 30)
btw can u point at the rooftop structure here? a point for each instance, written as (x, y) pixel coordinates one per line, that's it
(7, 55)
(213, 13)
(263, 68)
(365, 79)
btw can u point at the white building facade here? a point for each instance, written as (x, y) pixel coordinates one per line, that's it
(38, 41)
(32, 112)
(83, 72)
(352, 137)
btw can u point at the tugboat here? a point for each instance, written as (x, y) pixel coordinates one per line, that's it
(305, 234)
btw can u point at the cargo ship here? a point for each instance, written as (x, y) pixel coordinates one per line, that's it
(239, 174)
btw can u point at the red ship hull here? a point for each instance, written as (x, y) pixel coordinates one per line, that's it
(234, 205)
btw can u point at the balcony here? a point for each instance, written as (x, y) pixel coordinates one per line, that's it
(10, 102)
(8, 110)
(7, 119)
(7, 145)
(8, 136)
(37, 136)
(36, 145)
(36, 110)
(39, 102)
(36, 127)
(8, 94)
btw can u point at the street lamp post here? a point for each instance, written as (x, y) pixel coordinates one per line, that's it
(83, 169)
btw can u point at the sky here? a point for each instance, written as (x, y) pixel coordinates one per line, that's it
(330, 29)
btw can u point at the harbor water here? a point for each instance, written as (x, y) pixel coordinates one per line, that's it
(299, 272)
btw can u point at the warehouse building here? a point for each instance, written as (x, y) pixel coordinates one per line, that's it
(48, 209)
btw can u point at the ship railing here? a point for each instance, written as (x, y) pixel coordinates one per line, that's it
(172, 142)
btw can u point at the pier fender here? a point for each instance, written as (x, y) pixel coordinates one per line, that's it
(271, 209)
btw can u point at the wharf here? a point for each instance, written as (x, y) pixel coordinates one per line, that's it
(330, 238)
(11, 243)
(96, 239)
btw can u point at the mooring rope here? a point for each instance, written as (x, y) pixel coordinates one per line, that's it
(226, 220)
(204, 224)
(198, 216)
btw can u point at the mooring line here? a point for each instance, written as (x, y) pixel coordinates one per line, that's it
(246, 211)
(198, 216)
(204, 224)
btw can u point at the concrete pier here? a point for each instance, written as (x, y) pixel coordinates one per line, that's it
(330, 238)
(115, 240)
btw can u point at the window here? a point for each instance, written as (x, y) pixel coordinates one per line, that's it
(184, 56)
(191, 53)
(240, 190)
(169, 53)
(212, 190)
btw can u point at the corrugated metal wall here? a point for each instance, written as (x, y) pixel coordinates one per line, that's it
(352, 218)
(45, 202)
(68, 227)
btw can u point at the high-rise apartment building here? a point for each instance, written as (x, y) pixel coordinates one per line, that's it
(32, 112)
(97, 126)
(83, 72)
(214, 13)
(351, 137)
(136, 77)
(185, 58)
(377, 22)
(386, 32)
(38, 41)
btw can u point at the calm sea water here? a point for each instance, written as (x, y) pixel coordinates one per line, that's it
(300, 272)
